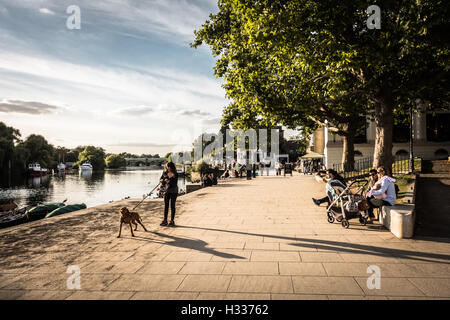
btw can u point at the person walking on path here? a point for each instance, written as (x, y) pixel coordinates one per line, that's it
(170, 178)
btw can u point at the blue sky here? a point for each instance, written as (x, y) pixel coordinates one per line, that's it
(126, 81)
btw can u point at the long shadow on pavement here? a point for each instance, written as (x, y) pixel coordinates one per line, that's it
(195, 244)
(346, 247)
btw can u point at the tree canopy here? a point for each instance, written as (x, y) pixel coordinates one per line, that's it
(93, 155)
(299, 63)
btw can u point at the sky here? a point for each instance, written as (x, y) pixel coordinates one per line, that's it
(127, 81)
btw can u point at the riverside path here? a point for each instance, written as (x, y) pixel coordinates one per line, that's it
(243, 239)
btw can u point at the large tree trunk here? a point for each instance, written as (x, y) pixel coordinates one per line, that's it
(384, 121)
(348, 146)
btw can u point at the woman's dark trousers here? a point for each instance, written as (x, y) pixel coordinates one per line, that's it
(375, 203)
(170, 198)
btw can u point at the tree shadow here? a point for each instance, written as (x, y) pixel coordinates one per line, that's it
(346, 247)
(188, 243)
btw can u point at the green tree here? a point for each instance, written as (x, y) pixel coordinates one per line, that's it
(20, 160)
(72, 155)
(302, 62)
(38, 151)
(93, 155)
(8, 137)
(60, 154)
(115, 161)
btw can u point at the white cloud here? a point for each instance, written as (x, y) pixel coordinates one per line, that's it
(27, 107)
(163, 17)
(99, 101)
(46, 11)
(176, 89)
(135, 111)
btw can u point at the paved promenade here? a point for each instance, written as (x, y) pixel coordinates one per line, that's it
(258, 239)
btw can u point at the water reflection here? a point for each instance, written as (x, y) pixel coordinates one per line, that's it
(91, 188)
(86, 174)
(36, 182)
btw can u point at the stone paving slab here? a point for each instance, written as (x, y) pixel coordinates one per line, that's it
(259, 239)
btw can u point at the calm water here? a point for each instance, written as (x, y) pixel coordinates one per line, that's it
(92, 189)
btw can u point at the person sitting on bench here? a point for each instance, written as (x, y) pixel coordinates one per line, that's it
(335, 180)
(382, 193)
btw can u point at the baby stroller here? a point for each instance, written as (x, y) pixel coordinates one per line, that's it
(347, 205)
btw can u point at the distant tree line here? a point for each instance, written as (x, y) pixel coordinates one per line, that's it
(16, 153)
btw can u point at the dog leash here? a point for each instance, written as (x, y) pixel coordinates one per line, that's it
(146, 197)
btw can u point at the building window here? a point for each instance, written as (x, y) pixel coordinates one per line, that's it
(401, 132)
(438, 129)
(441, 154)
(401, 154)
(358, 153)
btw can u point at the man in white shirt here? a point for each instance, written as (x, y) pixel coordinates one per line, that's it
(382, 193)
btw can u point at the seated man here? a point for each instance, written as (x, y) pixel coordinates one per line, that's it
(382, 193)
(334, 180)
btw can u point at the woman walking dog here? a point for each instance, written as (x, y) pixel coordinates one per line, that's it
(169, 178)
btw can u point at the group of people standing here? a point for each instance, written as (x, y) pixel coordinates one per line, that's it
(311, 166)
(381, 190)
(239, 170)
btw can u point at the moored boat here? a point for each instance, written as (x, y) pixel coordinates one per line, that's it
(41, 211)
(35, 170)
(66, 209)
(13, 217)
(86, 167)
(61, 168)
(7, 207)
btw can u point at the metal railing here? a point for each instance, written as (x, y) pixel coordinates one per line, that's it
(401, 165)
(361, 167)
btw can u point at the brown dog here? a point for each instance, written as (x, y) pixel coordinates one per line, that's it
(128, 217)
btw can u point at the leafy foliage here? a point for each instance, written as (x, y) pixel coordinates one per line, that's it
(115, 161)
(299, 63)
(93, 155)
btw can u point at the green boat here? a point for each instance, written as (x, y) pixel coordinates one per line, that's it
(66, 209)
(40, 212)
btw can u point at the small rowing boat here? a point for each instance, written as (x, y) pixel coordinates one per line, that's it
(66, 209)
(40, 212)
(13, 217)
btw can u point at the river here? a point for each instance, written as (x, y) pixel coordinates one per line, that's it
(90, 188)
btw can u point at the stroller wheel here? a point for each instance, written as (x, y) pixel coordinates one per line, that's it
(330, 218)
(345, 223)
